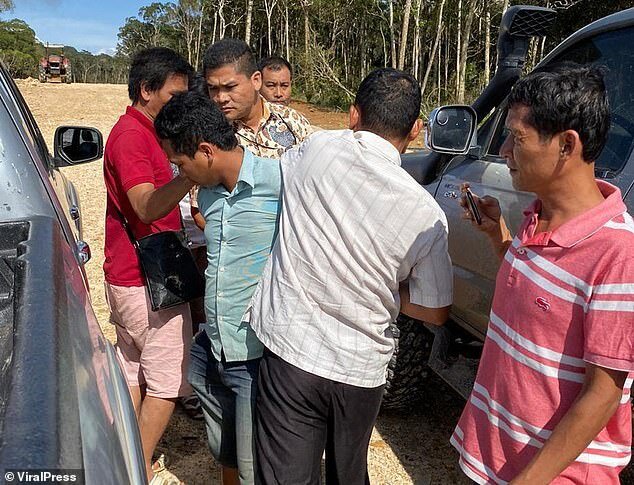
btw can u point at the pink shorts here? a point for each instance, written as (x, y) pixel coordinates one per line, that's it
(153, 347)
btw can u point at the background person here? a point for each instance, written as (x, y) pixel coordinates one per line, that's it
(153, 347)
(276, 80)
(551, 400)
(359, 240)
(239, 199)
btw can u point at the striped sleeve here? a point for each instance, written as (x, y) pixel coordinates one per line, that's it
(609, 321)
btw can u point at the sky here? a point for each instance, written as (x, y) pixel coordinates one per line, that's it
(90, 25)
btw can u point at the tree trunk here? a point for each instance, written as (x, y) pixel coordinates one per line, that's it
(487, 42)
(286, 31)
(471, 6)
(306, 29)
(269, 5)
(416, 44)
(247, 31)
(505, 6)
(200, 31)
(392, 39)
(433, 51)
(404, 31)
(458, 44)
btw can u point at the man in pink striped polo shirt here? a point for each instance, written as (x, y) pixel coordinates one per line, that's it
(551, 401)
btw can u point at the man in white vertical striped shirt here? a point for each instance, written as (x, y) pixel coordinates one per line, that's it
(358, 241)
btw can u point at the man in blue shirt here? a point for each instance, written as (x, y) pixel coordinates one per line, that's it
(239, 199)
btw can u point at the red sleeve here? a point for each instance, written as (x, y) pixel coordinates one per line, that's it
(609, 322)
(130, 160)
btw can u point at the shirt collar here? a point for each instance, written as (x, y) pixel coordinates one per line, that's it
(266, 114)
(246, 171)
(581, 227)
(379, 145)
(141, 118)
(245, 176)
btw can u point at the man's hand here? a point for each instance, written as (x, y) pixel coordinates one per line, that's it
(493, 224)
(598, 400)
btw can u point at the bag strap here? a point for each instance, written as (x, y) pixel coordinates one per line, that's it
(126, 226)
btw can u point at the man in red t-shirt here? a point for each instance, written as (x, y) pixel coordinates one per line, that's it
(152, 346)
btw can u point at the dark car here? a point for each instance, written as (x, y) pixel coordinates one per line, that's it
(64, 403)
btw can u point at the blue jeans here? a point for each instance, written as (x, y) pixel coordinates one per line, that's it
(227, 393)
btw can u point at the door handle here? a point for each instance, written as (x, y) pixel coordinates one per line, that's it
(451, 194)
(83, 252)
(74, 212)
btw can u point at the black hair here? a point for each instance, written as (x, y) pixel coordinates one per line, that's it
(189, 119)
(567, 97)
(388, 101)
(274, 63)
(230, 51)
(153, 66)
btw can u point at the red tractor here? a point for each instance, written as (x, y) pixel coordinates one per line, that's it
(55, 66)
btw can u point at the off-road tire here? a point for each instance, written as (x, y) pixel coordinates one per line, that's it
(407, 370)
(41, 75)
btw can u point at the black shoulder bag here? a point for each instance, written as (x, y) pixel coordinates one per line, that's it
(170, 272)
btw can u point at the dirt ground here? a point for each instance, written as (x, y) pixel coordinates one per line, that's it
(405, 448)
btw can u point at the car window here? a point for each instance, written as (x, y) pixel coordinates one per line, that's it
(613, 50)
(499, 135)
(25, 118)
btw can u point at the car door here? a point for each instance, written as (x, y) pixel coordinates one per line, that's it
(475, 265)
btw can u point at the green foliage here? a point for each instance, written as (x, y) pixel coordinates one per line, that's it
(17, 47)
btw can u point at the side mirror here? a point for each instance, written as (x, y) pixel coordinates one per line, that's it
(77, 144)
(450, 129)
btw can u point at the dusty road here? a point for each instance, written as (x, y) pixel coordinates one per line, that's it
(405, 448)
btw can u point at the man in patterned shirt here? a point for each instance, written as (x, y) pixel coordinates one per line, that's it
(233, 80)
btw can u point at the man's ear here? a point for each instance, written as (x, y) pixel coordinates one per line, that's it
(354, 122)
(207, 149)
(415, 131)
(145, 92)
(570, 144)
(256, 80)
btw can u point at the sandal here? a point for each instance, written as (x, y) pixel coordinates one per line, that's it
(191, 405)
(162, 476)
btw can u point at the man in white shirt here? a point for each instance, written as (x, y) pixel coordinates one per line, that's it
(359, 240)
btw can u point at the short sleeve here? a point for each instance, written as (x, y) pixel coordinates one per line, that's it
(609, 321)
(431, 279)
(130, 159)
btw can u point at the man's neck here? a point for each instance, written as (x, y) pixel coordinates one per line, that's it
(568, 198)
(255, 115)
(142, 108)
(232, 163)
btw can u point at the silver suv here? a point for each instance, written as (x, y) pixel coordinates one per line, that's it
(64, 403)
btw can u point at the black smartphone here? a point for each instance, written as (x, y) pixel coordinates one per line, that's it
(473, 208)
